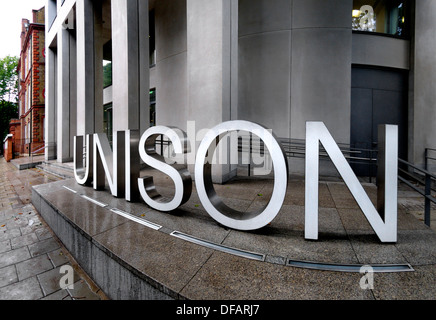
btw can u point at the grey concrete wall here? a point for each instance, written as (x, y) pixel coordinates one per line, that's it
(170, 73)
(295, 64)
(118, 280)
(63, 96)
(424, 98)
(279, 63)
(212, 67)
(130, 70)
(50, 108)
(374, 50)
(85, 67)
(73, 93)
(321, 66)
(210, 60)
(265, 40)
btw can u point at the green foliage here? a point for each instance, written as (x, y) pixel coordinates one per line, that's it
(8, 79)
(107, 75)
(8, 93)
(8, 111)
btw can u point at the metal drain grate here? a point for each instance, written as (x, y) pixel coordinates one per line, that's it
(71, 190)
(101, 204)
(211, 245)
(144, 222)
(350, 267)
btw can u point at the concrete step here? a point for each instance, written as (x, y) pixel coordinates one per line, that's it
(64, 171)
(133, 252)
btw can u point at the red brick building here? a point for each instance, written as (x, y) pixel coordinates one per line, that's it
(31, 91)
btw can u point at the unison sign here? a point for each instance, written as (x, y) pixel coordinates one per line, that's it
(120, 165)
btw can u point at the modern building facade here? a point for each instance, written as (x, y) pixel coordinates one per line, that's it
(353, 64)
(31, 90)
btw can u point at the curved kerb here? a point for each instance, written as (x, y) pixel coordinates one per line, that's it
(378, 268)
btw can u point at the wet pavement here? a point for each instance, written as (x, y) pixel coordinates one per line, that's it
(31, 256)
(131, 261)
(185, 254)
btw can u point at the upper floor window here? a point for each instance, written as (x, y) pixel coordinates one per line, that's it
(107, 73)
(381, 16)
(152, 37)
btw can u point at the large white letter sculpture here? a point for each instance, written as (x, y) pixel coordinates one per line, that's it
(181, 177)
(120, 166)
(83, 169)
(212, 202)
(106, 163)
(386, 230)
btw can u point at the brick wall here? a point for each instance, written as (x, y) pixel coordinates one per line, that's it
(32, 112)
(38, 67)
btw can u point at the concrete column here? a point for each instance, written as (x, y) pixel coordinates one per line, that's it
(73, 93)
(63, 96)
(171, 63)
(98, 69)
(144, 66)
(265, 63)
(50, 104)
(50, 13)
(212, 65)
(423, 115)
(321, 66)
(130, 67)
(85, 67)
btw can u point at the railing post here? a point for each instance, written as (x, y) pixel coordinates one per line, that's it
(427, 208)
(426, 159)
(250, 148)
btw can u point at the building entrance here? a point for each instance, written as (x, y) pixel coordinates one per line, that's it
(378, 96)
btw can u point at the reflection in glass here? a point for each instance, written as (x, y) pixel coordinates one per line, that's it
(381, 16)
(107, 122)
(152, 107)
(107, 73)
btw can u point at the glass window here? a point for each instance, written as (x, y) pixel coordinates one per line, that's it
(152, 107)
(107, 73)
(29, 98)
(107, 122)
(152, 37)
(381, 16)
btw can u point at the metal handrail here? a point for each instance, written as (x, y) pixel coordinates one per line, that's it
(42, 148)
(427, 157)
(45, 146)
(426, 193)
(295, 148)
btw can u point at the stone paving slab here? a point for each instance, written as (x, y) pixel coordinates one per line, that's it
(226, 277)
(28, 289)
(134, 262)
(30, 254)
(154, 261)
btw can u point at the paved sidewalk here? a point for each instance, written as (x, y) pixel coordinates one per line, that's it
(31, 257)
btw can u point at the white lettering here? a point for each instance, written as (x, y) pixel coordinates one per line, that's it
(317, 132)
(121, 168)
(367, 280)
(236, 309)
(187, 310)
(181, 178)
(67, 281)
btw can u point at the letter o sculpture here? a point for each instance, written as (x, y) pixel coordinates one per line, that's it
(213, 203)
